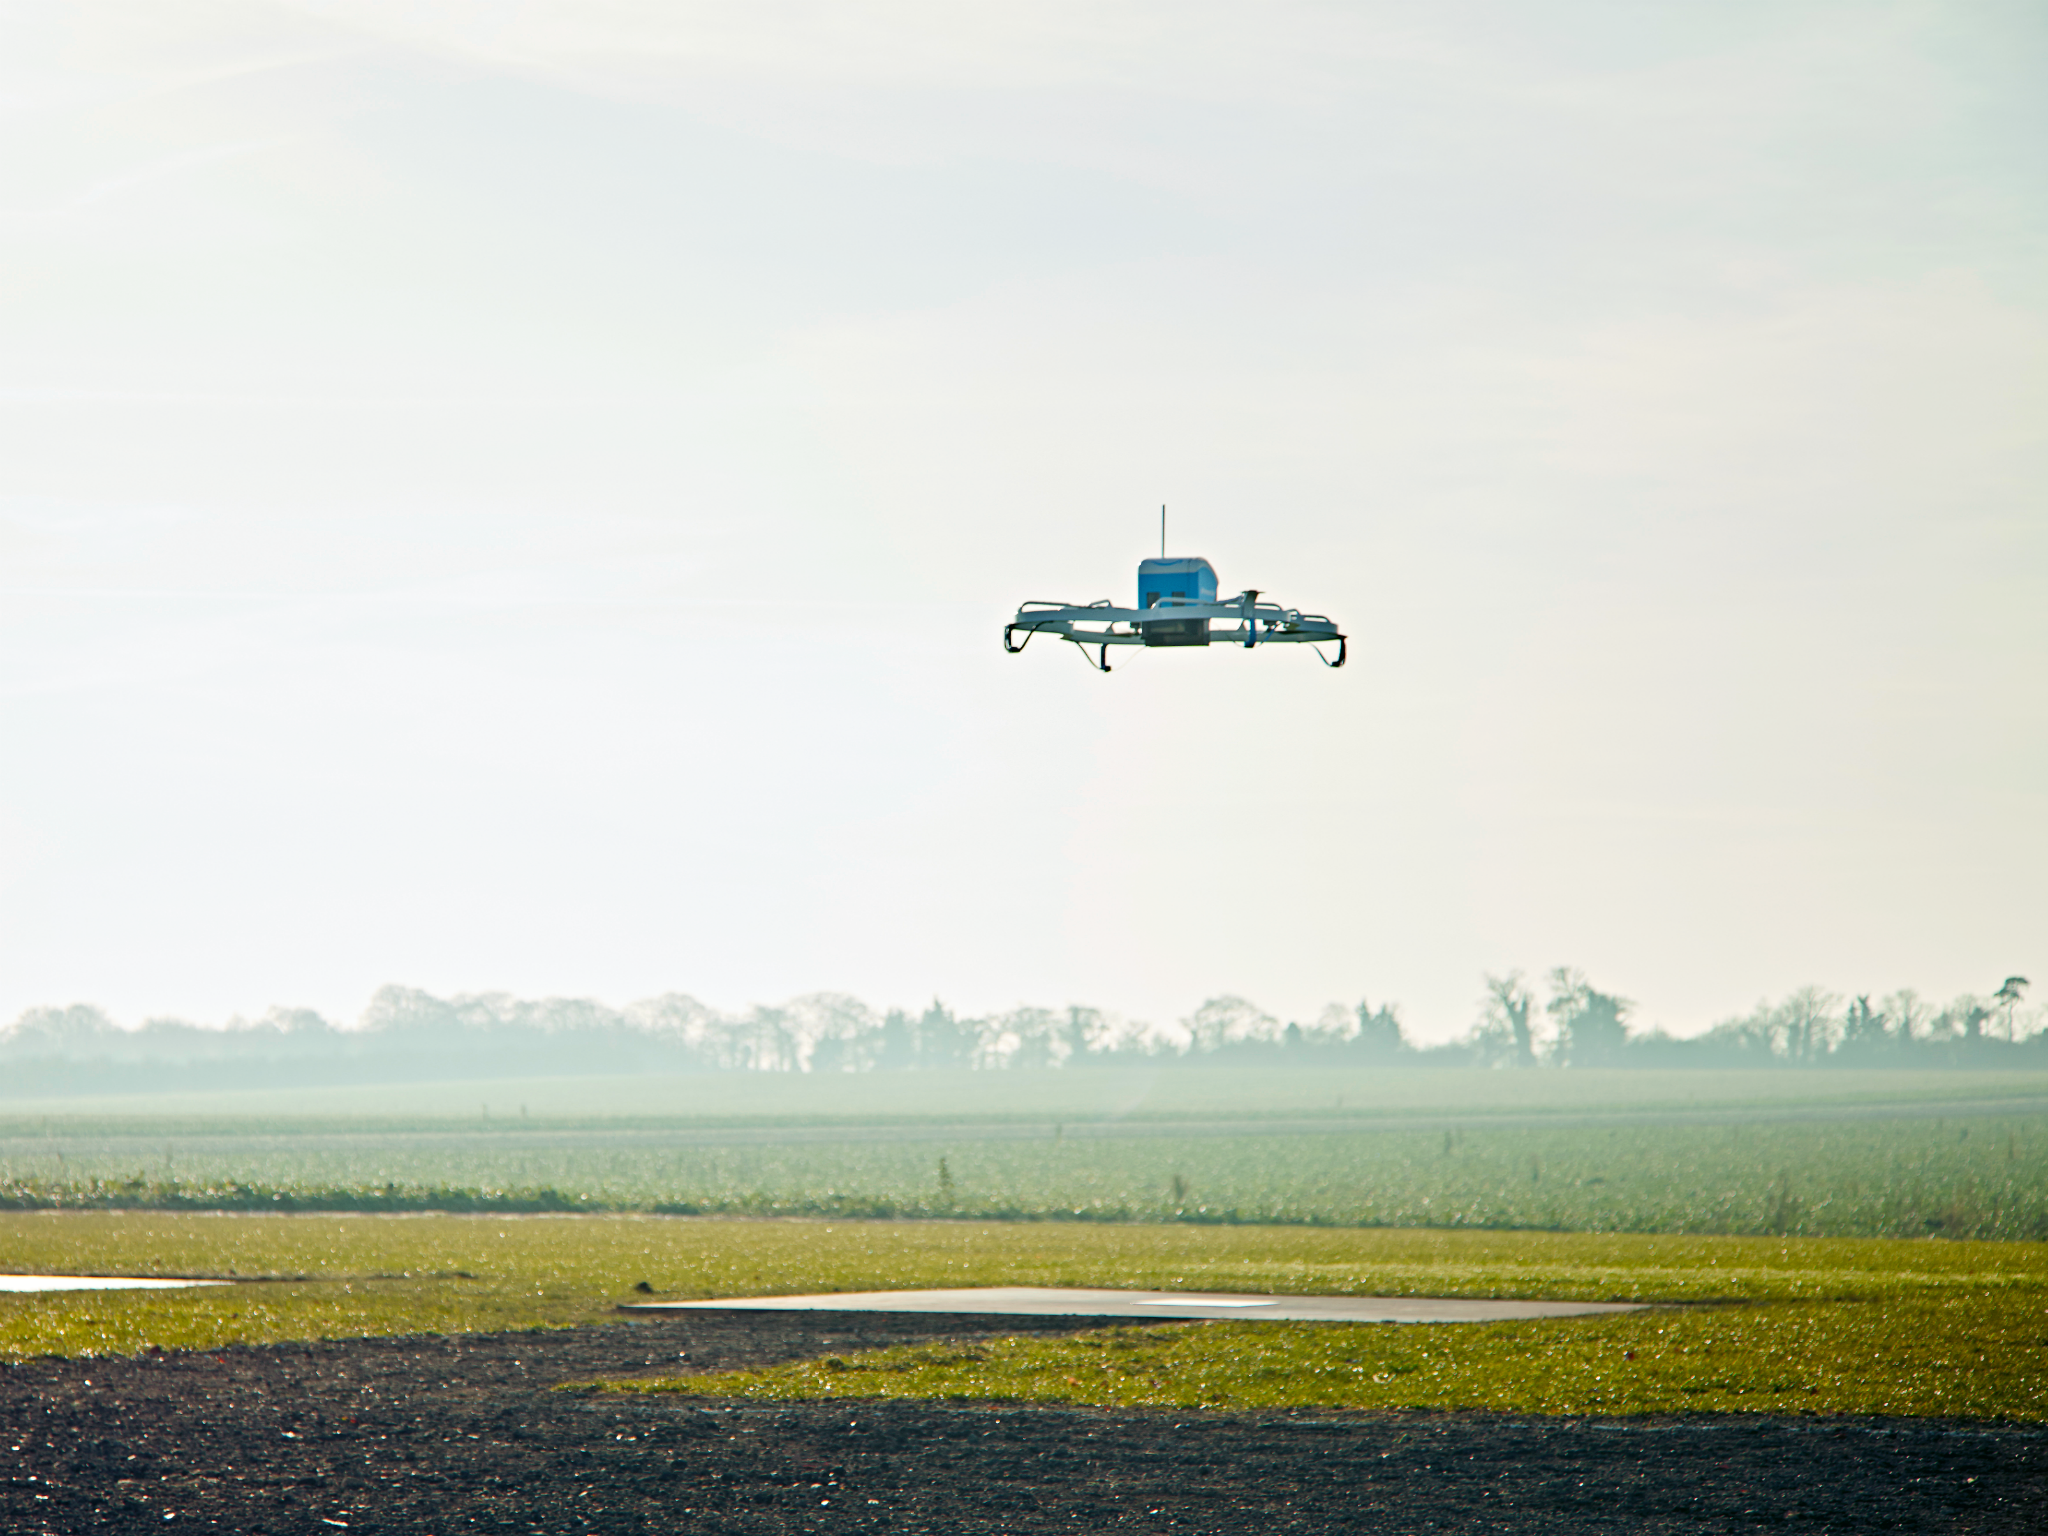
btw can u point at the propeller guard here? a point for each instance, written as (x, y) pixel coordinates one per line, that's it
(1242, 620)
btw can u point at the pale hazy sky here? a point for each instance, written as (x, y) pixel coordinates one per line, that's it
(524, 496)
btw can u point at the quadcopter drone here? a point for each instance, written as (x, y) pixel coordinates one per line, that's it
(1176, 606)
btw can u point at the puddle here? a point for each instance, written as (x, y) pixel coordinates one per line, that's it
(1058, 1301)
(95, 1283)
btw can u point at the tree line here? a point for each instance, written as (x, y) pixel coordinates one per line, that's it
(408, 1034)
(1581, 1026)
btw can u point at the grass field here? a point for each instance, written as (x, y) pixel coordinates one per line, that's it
(1977, 1357)
(1725, 1152)
(1778, 1324)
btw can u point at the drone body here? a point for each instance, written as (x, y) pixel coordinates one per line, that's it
(1176, 581)
(1177, 606)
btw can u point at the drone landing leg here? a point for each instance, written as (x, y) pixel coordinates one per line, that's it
(1093, 666)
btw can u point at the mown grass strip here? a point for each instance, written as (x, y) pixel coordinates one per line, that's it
(1982, 1357)
(338, 1276)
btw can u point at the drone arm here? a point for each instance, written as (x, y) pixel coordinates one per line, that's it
(1100, 625)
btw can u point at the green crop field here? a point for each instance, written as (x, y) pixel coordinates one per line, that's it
(1777, 1324)
(1960, 1175)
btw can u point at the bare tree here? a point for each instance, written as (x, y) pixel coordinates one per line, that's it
(1909, 1017)
(1028, 1037)
(1591, 1025)
(1222, 1021)
(1507, 1010)
(1085, 1032)
(1969, 1014)
(1808, 1023)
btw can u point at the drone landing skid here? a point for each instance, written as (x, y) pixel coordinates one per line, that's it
(1170, 622)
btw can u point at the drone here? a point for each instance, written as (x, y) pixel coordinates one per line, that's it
(1177, 606)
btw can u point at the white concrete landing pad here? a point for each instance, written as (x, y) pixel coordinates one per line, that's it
(1040, 1301)
(95, 1283)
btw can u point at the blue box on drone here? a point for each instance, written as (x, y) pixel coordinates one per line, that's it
(1182, 580)
(1192, 581)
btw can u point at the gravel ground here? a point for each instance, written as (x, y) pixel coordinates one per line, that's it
(462, 1434)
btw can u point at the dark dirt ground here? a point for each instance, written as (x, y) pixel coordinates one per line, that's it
(462, 1434)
